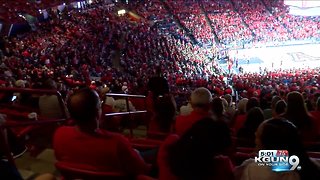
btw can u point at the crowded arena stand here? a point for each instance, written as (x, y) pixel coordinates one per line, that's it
(159, 89)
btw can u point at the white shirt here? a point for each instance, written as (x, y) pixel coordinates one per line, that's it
(120, 105)
(109, 101)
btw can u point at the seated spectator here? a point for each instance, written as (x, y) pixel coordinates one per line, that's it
(49, 105)
(197, 153)
(200, 102)
(279, 134)
(164, 114)
(252, 102)
(280, 108)
(230, 109)
(240, 115)
(218, 110)
(239, 121)
(269, 113)
(246, 134)
(88, 147)
(297, 114)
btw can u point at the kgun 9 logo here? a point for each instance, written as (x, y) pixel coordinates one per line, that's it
(278, 160)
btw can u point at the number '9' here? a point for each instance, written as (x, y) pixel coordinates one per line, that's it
(294, 161)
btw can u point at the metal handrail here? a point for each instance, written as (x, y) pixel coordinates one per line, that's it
(129, 112)
(125, 95)
(124, 113)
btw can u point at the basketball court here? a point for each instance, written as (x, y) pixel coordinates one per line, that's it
(274, 58)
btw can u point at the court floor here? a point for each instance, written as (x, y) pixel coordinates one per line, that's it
(273, 58)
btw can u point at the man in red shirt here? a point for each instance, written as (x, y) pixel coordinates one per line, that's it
(200, 102)
(85, 146)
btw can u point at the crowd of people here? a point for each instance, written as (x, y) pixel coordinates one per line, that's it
(192, 17)
(293, 23)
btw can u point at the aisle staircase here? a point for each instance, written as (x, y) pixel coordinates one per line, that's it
(216, 39)
(243, 21)
(176, 19)
(29, 166)
(276, 17)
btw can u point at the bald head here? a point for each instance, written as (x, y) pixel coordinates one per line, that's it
(201, 97)
(84, 106)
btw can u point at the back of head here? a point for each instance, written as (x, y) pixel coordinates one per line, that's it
(242, 105)
(217, 106)
(280, 134)
(224, 103)
(274, 101)
(280, 107)
(253, 102)
(50, 84)
(84, 106)
(201, 97)
(295, 101)
(254, 118)
(192, 156)
(228, 97)
(296, 111)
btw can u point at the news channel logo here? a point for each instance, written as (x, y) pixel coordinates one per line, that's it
(278, 160)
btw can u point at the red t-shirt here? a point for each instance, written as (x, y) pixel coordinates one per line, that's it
(183, 123)
(103, 151)
(224, 170)
(239, 121)
(316, 121)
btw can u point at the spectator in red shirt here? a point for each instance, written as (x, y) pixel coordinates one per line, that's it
(200, 102)
(88, 147)
(246, 133)
(240, 115)
(218, 109)
(197, 154)
(297, 113)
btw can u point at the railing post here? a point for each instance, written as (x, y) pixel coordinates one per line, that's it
(130, 116)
